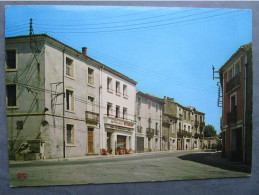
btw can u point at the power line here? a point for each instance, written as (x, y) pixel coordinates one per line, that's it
(142, 27)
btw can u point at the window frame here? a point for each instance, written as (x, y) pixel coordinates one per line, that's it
(230, 103)
(93, 76)
(117, 88)
(72, 69)
(93, 103)
(16, 60)
(117, 111)
(72, 100)
(109, 109)
(16, 98)
(72, 143)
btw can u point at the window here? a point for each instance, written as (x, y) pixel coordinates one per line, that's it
(90, 104)
(230, 74)
(70, 134)
(200, 118)
(124, 113)
(149, 104)
(69, 67)
(10, 59)
(195, 117)
(117, 87)
(233, 102)
(109, 109)
(70, 100)
(90, 76)
(156, 108)
(11, 99)
(184, 115)
(184, 127)
(139, 100)
(117, 112)
(125, 93)
(189, 128)
(156, 126)
(189, 116)
(109, 84)
(237, 67)
(180, 126)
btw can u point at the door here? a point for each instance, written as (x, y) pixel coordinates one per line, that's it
(178, 144)
(148, 145)
(140, 144)
(90, 140)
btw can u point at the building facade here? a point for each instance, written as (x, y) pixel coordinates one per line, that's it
(53, 99)
(149, 120)
(236, 125)
(118, 94)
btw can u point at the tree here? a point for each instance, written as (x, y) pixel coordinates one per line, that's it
(209, 131)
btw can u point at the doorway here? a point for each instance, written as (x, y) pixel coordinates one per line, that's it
(90, 140)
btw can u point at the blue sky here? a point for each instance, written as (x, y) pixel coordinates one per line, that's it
(168, 51)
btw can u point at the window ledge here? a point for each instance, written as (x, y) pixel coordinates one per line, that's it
(71, 111)
(110, 91)
(118, 94)
(91, 85)
(70, 77)
(11, 70)
(12, 107)
(70, 145)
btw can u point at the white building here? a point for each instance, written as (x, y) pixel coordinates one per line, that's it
(54, 102)
(149, 122)
(118, 94)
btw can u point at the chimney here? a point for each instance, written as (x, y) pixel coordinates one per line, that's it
(84, 51)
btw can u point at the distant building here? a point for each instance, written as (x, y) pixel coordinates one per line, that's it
(236, 80)
(149, 121)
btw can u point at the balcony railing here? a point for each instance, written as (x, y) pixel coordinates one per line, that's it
(232, 116)
(150, 132)
(139, 128)
(91, 117)
(182, 132)
(198, 135)
(233, 82)
(189, 134)
(202, 124)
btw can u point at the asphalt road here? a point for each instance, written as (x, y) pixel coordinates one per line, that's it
(145, 167)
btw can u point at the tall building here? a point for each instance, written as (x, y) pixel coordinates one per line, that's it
(149, 121)
(56, 100)
(236, 81)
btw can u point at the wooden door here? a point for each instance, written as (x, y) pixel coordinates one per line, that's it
(90, 141)
(178, 144)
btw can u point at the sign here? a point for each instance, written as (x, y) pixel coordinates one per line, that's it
(22, 176)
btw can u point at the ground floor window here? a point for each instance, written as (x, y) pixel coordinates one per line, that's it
(70, 133)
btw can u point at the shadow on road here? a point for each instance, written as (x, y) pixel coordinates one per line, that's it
(214, 159)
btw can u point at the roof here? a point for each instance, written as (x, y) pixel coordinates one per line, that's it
(79, 54)
(243, 48)
(150, 97)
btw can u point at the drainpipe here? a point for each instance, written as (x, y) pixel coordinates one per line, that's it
(244, 105)
(100, 117)
(63, 81)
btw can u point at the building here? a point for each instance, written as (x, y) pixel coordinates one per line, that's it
(149, 121)
(169, 133)
(118, 95)
(55, 99)
(236, 83)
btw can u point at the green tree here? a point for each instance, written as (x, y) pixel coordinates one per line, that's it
(209, 131)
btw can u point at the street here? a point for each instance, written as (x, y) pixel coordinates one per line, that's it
(155, 166)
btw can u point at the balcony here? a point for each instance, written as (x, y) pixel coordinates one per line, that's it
(232, 116)
(189, 134)
(139, 129)
(91, 117)
(233, 82)
(198, 135)
(182, 133)
(196, 123)
(150, 132)
(202, 124)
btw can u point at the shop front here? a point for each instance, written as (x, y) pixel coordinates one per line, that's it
(120, 135)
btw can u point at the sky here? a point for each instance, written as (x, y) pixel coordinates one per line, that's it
(168, 51)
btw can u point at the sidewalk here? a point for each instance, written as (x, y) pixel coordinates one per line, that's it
(102, 156)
